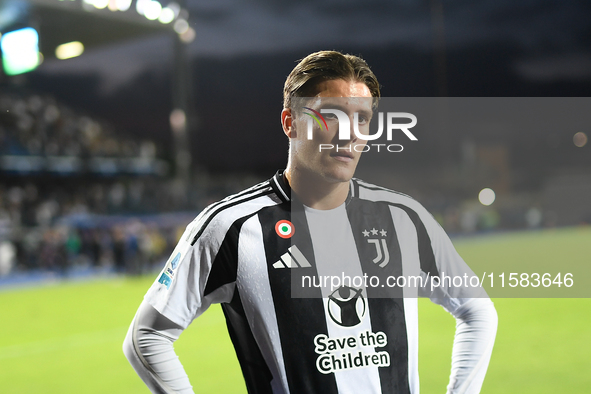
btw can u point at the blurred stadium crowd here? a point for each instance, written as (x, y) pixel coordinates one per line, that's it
(38, 125)
(76, 192)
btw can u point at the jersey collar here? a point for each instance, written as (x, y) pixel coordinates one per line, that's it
(283, 190)
(280, 186)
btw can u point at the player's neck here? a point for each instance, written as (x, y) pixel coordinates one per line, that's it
(315, 192)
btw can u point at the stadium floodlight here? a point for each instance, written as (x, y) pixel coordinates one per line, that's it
(166, 16)
(123, 5)
(69, 50)
(181, 26)
(486, 196)
(20, 51)
(140, 6)
(188, 36)
(175, 7)
(580, 139)
(100, 4)
(152, 10)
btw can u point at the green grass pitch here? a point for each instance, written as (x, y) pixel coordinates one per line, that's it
(66, 338)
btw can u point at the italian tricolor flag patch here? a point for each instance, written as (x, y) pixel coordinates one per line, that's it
(284, 229)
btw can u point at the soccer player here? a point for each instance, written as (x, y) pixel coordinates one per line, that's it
(289, 260)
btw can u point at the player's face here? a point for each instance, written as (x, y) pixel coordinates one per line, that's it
(326, 154)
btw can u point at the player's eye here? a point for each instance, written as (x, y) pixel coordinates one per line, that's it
(362, 119)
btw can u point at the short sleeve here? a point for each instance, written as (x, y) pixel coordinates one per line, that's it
(454, 283)
(178, 292)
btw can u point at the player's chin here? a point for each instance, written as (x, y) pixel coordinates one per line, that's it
(341, 172)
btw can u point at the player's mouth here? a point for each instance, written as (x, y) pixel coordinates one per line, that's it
(342, 155)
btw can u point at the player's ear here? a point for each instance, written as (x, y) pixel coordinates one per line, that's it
(287, 122)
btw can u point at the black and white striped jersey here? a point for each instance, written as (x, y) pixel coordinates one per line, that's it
(274, 265)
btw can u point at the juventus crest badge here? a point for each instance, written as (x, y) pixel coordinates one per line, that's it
(378, 239)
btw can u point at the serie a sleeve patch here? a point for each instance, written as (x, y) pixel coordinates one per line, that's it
(170, 270)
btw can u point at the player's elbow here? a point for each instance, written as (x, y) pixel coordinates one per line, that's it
(488, 312)
(480, 311)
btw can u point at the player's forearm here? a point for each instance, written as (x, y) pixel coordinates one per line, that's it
(476, 329)
(149, 348)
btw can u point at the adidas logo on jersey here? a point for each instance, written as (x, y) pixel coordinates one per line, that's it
(293, 258)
